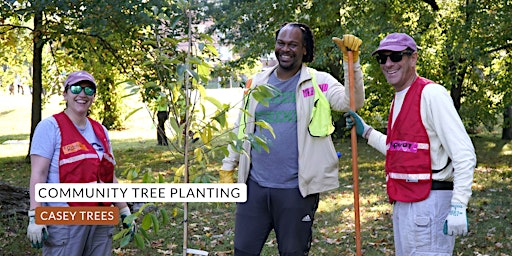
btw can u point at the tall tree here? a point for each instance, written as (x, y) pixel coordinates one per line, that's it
(94, 34)
(464, 44)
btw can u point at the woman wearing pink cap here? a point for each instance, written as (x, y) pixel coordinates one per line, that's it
(430, 158)
(70, 147)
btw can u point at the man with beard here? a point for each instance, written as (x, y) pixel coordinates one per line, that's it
(284, 182)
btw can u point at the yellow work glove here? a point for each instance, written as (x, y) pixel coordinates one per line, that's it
(226, 176)
(351, 42)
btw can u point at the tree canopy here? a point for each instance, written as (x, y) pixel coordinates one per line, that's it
(464, 45)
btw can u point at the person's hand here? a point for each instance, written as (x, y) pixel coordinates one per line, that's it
(349, 42)
(132, 226)
(36, 233)
(226, 176)
(362, 129)
(457, 221)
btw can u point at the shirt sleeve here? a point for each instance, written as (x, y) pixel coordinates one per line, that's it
(378, 141)
(448, 138)
(339, 94)
(44, 138)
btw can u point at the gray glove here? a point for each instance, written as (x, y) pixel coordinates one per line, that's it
(362, 129)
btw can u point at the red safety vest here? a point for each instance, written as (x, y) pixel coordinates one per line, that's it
(78, 160)
(408, 163)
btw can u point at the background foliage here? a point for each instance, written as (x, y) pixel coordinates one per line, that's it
(158, 47)
(464, 45)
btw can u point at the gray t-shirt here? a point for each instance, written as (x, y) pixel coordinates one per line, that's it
(279, 167)
(46, 142)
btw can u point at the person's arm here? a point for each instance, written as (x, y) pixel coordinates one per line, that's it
(39, 173)
(352, 43)
(229, 163)
(375, 138)
(445, 125)
(120, 205)
(442, 117)
(358, 84)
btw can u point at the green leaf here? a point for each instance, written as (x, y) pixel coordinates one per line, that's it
(144, 233)
(146, 222)
(265, 125)
(139, 241)
(125, 241)
(165, 216)
(156, 225)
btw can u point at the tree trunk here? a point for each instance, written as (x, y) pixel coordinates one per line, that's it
(37, 85)
(507, 124)
(13, 200)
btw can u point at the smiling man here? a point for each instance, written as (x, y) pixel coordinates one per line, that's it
(284, 183)
(430, 158)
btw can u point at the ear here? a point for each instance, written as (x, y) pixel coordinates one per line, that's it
(415, 56)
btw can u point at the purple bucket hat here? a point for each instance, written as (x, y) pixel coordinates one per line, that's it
(79, 76)
(396, 42)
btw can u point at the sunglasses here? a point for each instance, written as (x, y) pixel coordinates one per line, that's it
(394, 57)
(76, 89)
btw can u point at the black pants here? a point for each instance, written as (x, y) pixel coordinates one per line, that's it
(160, 131)
(284, 210)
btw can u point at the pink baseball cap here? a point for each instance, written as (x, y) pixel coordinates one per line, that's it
(396, 42)
(79, 76)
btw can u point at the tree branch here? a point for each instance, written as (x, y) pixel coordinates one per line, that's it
(12, 27)
(432, 4)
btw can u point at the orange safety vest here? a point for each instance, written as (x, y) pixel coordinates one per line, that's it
(78, 160)
(408, 162)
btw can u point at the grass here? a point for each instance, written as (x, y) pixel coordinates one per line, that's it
(211, 225)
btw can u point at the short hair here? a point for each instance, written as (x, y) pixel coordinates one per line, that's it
(307, 38)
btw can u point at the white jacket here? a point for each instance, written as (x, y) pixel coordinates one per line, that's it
(318, 161)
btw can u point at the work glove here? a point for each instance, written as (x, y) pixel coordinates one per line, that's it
(226, 176)
(362, 129)
(351, 42)
(132, 226)
(457, 221)
(36, 233)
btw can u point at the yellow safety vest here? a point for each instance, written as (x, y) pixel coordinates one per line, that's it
(321, 118)
(320, 124)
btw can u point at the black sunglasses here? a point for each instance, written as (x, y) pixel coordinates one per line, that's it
(76, 89)
(394, 57)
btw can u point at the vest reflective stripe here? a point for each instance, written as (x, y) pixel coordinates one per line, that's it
(109, 158)
(409, 176)
(76, 158)
(423, 146)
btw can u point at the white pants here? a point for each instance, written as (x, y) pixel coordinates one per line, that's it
(418, 227)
